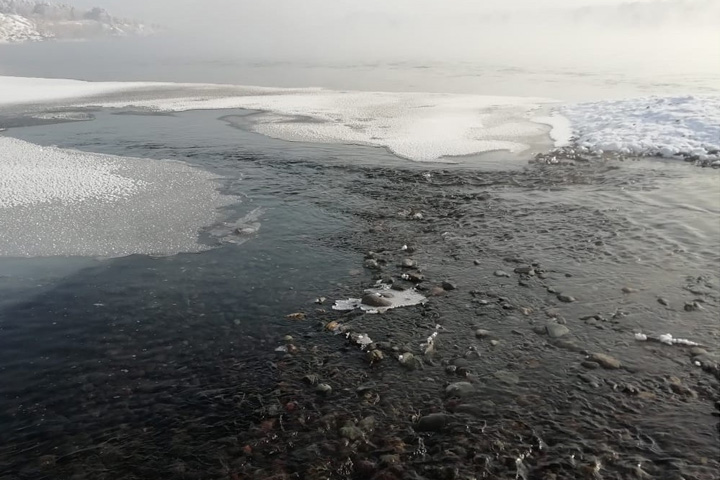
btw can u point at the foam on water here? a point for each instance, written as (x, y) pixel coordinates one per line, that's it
(64, 202)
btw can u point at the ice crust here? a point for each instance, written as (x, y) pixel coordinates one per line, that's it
(649, 126)
(30, 174)
(64, 202)
(417, 126)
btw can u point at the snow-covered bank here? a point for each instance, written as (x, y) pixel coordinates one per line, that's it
(688, 126)
(64, 202)
(22, 90)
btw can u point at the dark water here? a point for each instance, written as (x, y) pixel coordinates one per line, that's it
(143, 367)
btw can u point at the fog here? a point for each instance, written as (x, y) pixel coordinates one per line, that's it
(661, 41)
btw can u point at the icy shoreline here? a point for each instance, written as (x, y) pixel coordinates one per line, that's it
(418, 126)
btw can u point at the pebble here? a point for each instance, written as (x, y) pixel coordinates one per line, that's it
(590, 365)
(460, 389)
(629, 290)
(449, 286)
(323, 389)
(374, 356)
(372, 264)
(501, 273)
(351, 432)
(663, 301)
(551, 290)
(436, 292)
(476, 262)
(525, 270)
(432, 423)
(606, 361)
(415, 277)
(373, 300)
(509, 378)
(691, 306)
(565, 298)
(555, 330)
(409, 263)
(494, 343)
(482, 333)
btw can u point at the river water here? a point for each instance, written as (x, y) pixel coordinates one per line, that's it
(179, 366)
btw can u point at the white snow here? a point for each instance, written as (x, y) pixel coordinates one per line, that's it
(17, 29)
(20, 90)
(30, 175)
(649, 126)
(64, 202)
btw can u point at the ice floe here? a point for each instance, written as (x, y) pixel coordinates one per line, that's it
(64, 202)
(652, 126)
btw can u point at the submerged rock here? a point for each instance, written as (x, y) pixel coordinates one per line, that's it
(501, 273)
(432, 423)
(555, 330)
(460, 389)
(605, 361)
(565, 298)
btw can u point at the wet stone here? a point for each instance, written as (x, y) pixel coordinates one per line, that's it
(460, 389)
(351, 432)
(590, 365)
(565, 298)
(449, 286)
(409, 263)
(323, 389)
(555, 330)
(663, 301)
(501, 273)
(606, 361)
(525, 270)
(629, 290)
(373, 300)
(436, 292)
(432, 423)
(482, 333)
(506, 377)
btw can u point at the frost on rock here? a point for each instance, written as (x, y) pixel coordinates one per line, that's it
(381, 299)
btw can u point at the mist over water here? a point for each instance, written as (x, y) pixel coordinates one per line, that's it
(565, 50)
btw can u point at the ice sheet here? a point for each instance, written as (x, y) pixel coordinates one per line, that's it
(63, 202)
(417, 126)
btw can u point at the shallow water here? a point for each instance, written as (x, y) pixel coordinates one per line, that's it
(140, 367)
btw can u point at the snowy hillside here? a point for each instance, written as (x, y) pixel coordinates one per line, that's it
(30, 20)
(16, 29)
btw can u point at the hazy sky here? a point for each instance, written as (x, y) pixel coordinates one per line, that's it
(664, 33)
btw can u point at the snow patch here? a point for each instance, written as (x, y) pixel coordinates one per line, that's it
(688, 126)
